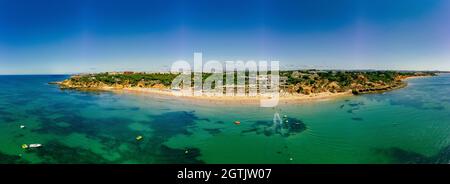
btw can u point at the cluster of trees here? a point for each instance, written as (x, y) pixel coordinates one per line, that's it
(132, 79)
(314, 81)
(344, 78)
(301, 81)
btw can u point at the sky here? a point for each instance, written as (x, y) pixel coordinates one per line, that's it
(72, 36)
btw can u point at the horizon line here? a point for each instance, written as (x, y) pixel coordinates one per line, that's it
(350, 70)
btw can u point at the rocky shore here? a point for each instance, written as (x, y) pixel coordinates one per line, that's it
(305, 87)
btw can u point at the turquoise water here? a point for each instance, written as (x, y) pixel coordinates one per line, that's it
(409, 125)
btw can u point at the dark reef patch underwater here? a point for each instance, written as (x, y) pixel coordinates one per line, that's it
(287, 127)
(409, 125)
(115, 134)
(402, 156)
(11, 159)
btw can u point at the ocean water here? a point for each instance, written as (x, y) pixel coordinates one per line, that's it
(409, 125)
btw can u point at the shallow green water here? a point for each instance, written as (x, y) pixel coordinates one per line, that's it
(409, 125)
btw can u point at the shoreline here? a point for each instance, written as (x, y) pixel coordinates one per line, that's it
(415, 77)
(231, 100)
(243, 100)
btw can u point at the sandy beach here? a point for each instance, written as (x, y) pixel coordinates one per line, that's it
(231, 100)
(284, 98)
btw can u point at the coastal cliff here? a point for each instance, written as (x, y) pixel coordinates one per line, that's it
(305, 82)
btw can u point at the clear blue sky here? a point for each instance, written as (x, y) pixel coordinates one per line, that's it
(67, 36)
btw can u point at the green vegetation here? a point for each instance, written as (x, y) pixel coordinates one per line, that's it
(133, 79)
(299, 81)
(315, 81)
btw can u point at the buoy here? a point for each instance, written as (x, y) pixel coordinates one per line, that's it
(237, 122)
(291, 159)
(24, 146)
(186, 152)
(139, 137)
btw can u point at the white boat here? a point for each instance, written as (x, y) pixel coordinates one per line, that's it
(35, 145)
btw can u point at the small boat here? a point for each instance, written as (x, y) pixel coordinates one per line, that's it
(139, 137)
(24, 146)
(22, 126)
(35, 145)
(237, 122)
